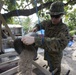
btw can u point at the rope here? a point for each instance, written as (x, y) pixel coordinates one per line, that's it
(35, 2)
(48, 57)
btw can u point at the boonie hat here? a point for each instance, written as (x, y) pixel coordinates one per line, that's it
(56, 8)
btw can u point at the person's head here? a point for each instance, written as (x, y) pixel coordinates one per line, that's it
(56, 11)
(55, 19)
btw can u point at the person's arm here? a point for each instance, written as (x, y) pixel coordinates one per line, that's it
(56, 43)
(28, 40)
(40, 26)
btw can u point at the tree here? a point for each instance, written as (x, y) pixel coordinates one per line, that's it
(70, 19)
(15, 9)
(71, 22)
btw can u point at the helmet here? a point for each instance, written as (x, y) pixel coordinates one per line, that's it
(57, 8)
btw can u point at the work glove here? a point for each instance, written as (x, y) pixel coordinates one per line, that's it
(28, 40)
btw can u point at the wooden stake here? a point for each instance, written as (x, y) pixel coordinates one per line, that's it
(1, 4)
(7, 28)
(0, 38)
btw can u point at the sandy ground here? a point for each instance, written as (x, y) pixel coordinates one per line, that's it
(68, 61)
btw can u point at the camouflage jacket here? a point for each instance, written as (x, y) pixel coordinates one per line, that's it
(56, 37)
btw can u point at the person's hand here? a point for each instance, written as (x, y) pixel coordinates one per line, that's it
(28, 40)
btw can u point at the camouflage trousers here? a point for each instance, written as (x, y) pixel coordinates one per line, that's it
(25, 62)
(52, 68)
(54, 61)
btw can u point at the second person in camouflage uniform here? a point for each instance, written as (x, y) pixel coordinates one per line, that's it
(56, 37)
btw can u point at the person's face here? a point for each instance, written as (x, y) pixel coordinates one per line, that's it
(55, 19)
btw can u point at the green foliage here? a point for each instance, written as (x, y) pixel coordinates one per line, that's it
(10, 20)
(22, 4)
(11, 4)
(43, 15)
(72, 32)
(71, 19)
(25, 22)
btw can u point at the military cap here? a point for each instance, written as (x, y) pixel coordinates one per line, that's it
(56, 8)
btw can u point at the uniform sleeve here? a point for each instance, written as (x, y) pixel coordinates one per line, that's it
(42, 25)
(54, 44)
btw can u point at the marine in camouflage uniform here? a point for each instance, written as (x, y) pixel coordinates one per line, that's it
(55, 40)
(56, 37)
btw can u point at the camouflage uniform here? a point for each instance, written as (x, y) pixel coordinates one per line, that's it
(55, 40)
